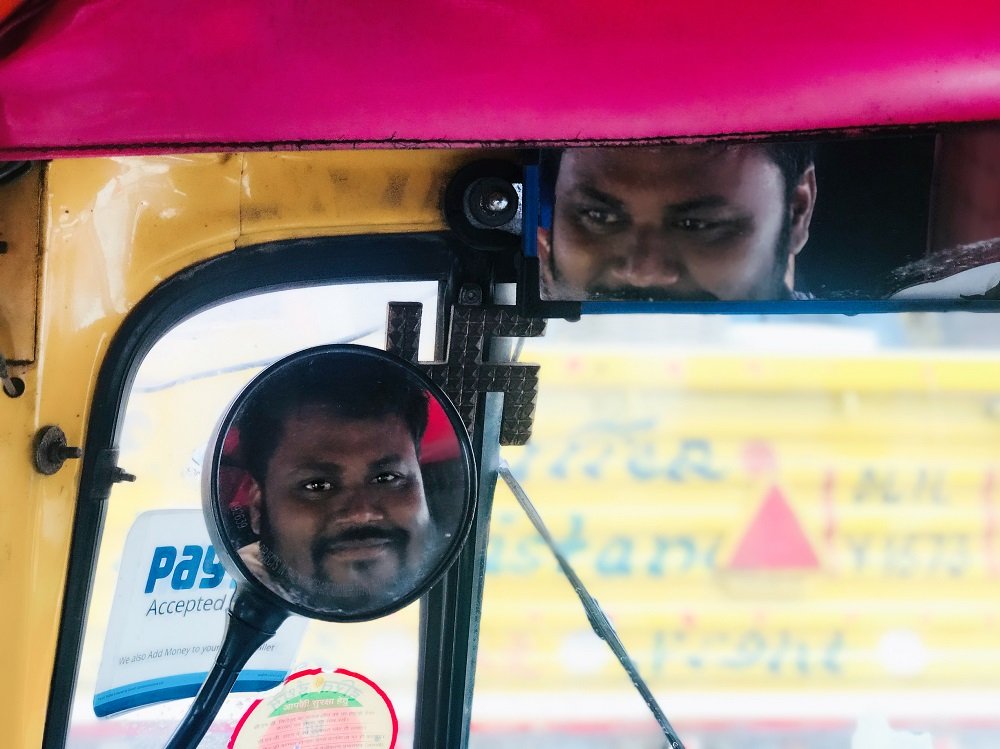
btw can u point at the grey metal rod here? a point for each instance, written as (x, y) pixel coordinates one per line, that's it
(595, 614)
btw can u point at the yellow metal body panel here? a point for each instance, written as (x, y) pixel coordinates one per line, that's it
(112, 229)
(346, 192)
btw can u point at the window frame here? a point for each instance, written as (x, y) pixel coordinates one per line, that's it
(266, 267)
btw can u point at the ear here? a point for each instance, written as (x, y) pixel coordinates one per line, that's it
(253, 505)
(801, 207)
(544, 244)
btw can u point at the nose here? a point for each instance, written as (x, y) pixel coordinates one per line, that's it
(358, 507)
(649, 261)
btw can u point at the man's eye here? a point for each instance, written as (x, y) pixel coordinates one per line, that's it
(695, 224)
(317, 485)
(387, 478)
(600, 216)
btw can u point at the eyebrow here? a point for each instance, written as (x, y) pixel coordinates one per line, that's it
(702, 203)
(595, 194)
(387, 461)
(699, 204)
(320, 465)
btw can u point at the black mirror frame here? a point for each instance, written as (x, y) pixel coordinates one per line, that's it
(531, 304)
(212, 508)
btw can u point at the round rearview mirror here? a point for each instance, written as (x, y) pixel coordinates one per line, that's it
(340, 484)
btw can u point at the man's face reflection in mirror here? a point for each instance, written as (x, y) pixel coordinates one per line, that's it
(685, 223)
(337, 499)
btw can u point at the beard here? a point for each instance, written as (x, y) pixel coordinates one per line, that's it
(315, 590)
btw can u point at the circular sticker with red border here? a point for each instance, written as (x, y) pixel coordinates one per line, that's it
(319, 709)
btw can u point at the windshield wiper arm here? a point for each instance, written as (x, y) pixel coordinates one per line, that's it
(595, 614)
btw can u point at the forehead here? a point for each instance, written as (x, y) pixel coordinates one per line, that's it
(316, 431)
(673, 169)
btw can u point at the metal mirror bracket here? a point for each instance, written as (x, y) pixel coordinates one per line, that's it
(464, 376)
(484, 393)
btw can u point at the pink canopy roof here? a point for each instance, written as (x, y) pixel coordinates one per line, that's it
(100, 76)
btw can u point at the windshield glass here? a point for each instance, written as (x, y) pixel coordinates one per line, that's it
(791, 522)
(157, 608)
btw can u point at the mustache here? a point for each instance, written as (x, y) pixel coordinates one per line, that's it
(646, 294)
(390, 534)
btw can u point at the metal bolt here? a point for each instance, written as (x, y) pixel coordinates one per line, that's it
(60, 453)
(51, 450)
(495, 202)
(12, 386)
(120, 474)
(491, 202)
(470, 295)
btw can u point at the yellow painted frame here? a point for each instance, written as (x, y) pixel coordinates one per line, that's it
(107, 232)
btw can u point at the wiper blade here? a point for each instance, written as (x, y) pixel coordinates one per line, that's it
(595, 614)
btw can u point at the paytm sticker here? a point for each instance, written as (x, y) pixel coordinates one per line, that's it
(168, 617)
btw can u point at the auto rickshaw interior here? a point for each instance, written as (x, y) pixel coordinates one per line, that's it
(766, 433)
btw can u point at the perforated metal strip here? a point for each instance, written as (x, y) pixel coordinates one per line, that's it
(463, 376)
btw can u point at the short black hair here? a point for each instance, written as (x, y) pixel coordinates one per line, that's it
(792, 158)
(346, 386)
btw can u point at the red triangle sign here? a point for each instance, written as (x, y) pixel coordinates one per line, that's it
(774, 539)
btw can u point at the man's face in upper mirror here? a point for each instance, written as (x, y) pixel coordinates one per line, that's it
(342, 509)
(684, 223)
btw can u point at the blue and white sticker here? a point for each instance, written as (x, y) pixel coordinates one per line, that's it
(168, 617)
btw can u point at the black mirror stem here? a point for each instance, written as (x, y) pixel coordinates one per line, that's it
(252, 622)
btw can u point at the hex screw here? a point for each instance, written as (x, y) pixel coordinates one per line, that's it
(470, 295)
